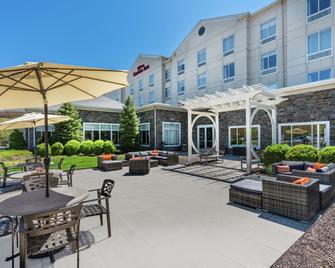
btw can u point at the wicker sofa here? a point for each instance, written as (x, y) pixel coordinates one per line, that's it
(109, 164)
(165, 158)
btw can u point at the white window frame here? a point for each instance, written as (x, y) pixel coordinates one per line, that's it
(320, 51)
(152, 96)
(132, 89)
(272, 70)
(141, 100)
(111, 124)
(140, 85)
(203, 62)
(309, 18)
(271, 37)
(229, 79)
(180, 93)
(179, 64)
(147, 124)
(231, 51)
(318, 72)
(203, 87)
(168, 74)
(168, 89)
(243, 126)
(163, 134)
(318, 123)
(151, 80)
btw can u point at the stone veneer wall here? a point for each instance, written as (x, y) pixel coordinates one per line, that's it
(99, 117)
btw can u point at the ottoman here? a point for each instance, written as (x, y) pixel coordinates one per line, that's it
(326, 195)
(246, 192)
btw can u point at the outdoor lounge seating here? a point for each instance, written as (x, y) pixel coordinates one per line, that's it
(140, 166)
(246, 192)
(98, 209)
(109, 162)
(210, 154)
(165, 158)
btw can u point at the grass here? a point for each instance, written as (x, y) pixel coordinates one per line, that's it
(13, 157)
(80, 161)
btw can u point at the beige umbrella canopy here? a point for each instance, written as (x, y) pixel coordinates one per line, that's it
(32, 120)
(38, 84)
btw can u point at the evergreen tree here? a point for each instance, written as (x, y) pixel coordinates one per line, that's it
(16, 140)
(68, 130)
(129, 126)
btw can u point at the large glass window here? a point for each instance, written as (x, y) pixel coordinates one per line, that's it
(317, 9)
(140, 85)
(168, 75)
(312, 133)
(181, 87)
(101, 131)
(318, 76)
(237, 136)
(268, 31)
(319, 44)
(145, 134)
(229, 73)
(181, 67)
(228, 45)
(269, 63)
(39, 133)
(202, 81)
(171, 134)
(202, 57)
(151, 80)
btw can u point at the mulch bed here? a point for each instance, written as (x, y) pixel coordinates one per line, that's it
(316, 248)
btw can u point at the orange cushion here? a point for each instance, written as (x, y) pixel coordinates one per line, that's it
(318, 165)
(283, 168)
(309, 169)
(302, 181)
(106, 157)
(154, 152)
(138, 158)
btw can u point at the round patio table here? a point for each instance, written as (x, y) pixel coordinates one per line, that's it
(20, 175)
(36, 202)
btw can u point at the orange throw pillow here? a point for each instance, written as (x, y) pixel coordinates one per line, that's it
(309, 169)
(302, 181)
(154, 152)
(318, 165)
(283, 168)
(106, 157)
(138, 158)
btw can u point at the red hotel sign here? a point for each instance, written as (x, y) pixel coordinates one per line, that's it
(141, 69)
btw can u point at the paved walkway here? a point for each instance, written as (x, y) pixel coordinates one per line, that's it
(167, 219)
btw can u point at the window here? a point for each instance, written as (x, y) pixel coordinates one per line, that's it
(237, 136)
(268, 31)
(317, 9)
(140, 100)
(181, 67)
(168, 93)
(101, 131)
(319, 44)
(132, 89)
(312, 133)
(317, 76)
(140, 85)
(202, 81)
(168, 75)
(228, 45)
(181, 87)
(39, 133)
(171, 134)
(229, 73)
(151, 80)
(152, 96)
(201, 57)
(269, 63)
(145, 134)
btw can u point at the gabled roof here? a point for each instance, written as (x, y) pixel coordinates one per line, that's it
(146, 56)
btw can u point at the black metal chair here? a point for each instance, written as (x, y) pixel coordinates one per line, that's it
(8, 226)
(5, 172)
(98, 209)
(69, 175)
(59, 165)
(46, 232)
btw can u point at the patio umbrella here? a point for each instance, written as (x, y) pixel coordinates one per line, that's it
(37, 84)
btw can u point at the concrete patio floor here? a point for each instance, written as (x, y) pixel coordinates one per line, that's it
(167, 219)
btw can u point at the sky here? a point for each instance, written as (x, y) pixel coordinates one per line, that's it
(103, 33)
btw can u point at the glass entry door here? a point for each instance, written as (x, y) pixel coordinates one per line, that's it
(205, 136)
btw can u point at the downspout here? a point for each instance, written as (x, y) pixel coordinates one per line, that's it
(155, 128)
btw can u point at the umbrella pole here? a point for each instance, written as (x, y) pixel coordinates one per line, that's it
(46, 143)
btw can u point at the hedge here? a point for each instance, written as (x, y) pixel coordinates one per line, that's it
(72, 147)
(302, 152)
(327, 154)
(41, 149)
(86, 147)
(109, 147)
(98, 147)
(57, 148)
(274, 153)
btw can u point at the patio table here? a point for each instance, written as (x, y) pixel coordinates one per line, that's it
(20, 175)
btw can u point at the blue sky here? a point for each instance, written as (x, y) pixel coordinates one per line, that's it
(102, 33)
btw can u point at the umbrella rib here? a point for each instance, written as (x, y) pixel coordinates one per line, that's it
(49, 87)
(12, 86)
(84, 69)
(9, 77)
(69, 84)
(91, 78)
(64, 83)
(20, 72)
(15, 88)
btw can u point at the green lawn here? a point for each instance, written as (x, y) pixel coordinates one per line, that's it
(80, 161)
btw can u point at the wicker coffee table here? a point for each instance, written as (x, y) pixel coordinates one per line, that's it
(139, 166)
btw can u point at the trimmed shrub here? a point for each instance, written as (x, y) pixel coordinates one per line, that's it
(274, 153)
(72, 147)
(302, 152)
(109, 147)
(98, 147)
(86, 147)
(16, 140)
(327, 154)
(57, 148)
(41, 149)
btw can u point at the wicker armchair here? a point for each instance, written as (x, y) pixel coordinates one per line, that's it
(49, 231)
(283, 197)
(34, 182)
(139, 166)
(324, 177)
(98, 209)
(8, 226)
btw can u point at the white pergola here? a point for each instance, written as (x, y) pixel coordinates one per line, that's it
(249, 98)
